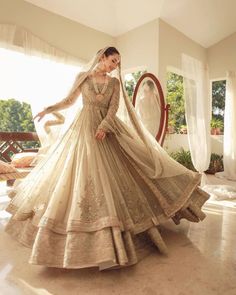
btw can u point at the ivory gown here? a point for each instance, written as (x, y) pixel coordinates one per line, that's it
(88, 203)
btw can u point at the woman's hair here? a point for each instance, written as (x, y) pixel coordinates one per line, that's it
(110, 51)
(150, 84)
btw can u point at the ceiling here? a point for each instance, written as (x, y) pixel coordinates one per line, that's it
(204, 21)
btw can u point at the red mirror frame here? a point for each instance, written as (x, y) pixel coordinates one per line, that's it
(160, 136)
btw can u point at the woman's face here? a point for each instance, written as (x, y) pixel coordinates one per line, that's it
(146, 90)
(110, 62)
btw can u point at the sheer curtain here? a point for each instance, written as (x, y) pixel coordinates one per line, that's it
(197, 112)
(229, 157)
(225, 187)
(34, 71)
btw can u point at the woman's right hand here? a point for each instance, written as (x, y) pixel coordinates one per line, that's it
(40, 115)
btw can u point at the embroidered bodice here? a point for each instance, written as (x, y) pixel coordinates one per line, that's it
(110, 101)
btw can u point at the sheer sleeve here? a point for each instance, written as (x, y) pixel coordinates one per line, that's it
(113, 107)
(67, 101)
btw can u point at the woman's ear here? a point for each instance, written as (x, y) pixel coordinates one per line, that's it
(102, 57)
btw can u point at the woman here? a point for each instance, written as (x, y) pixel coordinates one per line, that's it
(97, 196)
(148, 107)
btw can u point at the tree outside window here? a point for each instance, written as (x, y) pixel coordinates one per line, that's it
(16, 116)
(175, 97)
(218, 106)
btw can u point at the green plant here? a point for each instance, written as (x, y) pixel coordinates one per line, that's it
(218, 99)
(184, 158)
(216, 164)
(216, 123)
(183, 129)
(16, 116)
(175, 99)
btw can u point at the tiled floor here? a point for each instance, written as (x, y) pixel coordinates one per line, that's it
(202, 261)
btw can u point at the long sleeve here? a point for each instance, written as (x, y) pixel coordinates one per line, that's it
(113, 107)
(67, 101)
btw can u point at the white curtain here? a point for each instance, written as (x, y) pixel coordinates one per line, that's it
(197, 112)
(224, 188)
(229, 156)
(34, 71)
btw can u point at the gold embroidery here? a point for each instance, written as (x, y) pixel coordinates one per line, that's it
(90, 203)
(135, 206)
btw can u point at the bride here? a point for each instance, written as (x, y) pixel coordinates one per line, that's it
(104, 185)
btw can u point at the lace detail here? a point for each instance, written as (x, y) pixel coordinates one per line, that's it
(113, 108)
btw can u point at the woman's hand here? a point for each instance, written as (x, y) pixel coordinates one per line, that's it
(100, 134)
(40, 115)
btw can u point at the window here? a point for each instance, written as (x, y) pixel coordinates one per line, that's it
(218, 106)
(176, 121)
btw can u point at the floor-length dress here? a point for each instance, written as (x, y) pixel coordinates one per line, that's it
(88, 203)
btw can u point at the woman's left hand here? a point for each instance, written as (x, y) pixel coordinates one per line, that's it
(100, 134)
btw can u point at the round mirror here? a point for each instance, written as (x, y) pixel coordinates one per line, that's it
(148, 100)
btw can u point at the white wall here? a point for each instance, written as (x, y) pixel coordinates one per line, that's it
(139, 47)
(157, 45)
(222, 57)
(173, 142)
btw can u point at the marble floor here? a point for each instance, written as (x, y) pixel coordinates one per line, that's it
(201, 261)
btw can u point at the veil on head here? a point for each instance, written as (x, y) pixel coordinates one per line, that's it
(147, 105)
(159, 163)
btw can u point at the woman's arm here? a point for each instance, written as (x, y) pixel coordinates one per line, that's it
(65, 102)
(113, 107)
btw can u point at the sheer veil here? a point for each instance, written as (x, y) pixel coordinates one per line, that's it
(159, 164)
(147, 105)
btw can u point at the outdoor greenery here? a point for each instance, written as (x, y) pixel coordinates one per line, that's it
(216, 164)
(175, 98)
(217, 123)
(16, 116)
(218, 104)
(184, 158)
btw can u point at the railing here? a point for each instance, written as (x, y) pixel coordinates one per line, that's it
(11, 143)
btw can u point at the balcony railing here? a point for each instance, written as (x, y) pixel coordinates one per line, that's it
(13, 142)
